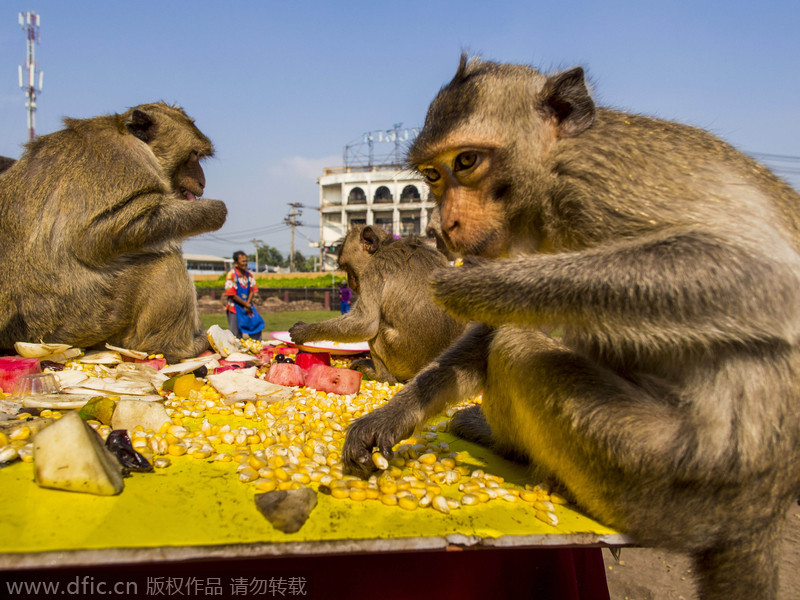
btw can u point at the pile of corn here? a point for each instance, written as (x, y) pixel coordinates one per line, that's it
(297, 443)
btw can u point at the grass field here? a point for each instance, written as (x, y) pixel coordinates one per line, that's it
(279, 321)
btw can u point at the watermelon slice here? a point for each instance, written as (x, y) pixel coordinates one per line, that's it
(285, 350)
(14, 367)
(333, 379)
(156, 363)
(306, 359)
(286, 374)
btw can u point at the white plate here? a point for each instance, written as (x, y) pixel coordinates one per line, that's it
(323, 346)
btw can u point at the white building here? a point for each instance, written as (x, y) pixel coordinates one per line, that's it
(206, 264)
(386, 195)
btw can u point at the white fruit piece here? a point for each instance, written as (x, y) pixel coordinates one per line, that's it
(69, 455)
(130, 413)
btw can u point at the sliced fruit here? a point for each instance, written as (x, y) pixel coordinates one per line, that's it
(99, 408)
(333, 379)
(286, 374)
(130, 413)
(70, 455)
(306, 359)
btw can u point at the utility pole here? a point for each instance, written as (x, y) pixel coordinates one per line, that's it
(30, 22)
(256, 243)
(291, 221)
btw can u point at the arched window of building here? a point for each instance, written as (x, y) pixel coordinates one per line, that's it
(382, 195)
(356, 196)
(410, 194)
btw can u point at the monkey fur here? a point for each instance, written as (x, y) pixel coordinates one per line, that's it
(670, 406)
(392, 280)
(92, 218)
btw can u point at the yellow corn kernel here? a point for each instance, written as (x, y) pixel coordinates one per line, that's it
(340, 492)
(20, 433)
(557, 498)
(175, 450)
(248, 474)
(8, 453)
(379, 460)
(428, 458)
(301, 478)
(407, 502)
(372, 493)
(161, 462)
(548, 517)
(266, 485)
(282, 474)
(26, 453)
(256, 462)
(3, 439)
(440, 503)
(358, 494)
(469, 499)
(389, 499)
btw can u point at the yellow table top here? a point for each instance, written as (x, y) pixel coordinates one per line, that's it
(198, 508)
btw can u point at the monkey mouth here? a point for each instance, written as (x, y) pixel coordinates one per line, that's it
(186, 194)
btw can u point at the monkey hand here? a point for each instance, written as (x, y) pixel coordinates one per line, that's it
(380, 429)
(299, 332)
(464, 290)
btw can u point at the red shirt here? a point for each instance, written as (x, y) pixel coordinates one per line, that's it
(243, 280)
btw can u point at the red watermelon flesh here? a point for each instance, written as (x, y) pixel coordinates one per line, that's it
(286, 374)
(286, 350)
(333, 379)
(156, 363)
(14, 367)
(307, 359)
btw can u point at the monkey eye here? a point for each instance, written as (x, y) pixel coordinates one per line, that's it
(465, 160)
(431, 174)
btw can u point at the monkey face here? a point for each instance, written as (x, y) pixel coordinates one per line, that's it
(189, 181)
(470, 205)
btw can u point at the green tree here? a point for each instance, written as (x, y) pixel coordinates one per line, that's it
(268, 257)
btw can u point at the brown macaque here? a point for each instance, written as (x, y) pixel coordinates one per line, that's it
(6, 163)
(394, 305)
(92, 218)
(670, 405)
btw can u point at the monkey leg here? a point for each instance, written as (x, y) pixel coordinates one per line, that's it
(741, 571)
(470, 424)
(606, 439)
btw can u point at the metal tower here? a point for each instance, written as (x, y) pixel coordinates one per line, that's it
(30, 22)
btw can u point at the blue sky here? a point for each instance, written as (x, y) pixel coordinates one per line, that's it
(282, 87)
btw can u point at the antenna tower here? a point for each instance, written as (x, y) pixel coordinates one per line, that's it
(30, 22)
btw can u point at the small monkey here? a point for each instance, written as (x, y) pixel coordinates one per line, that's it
(5, 163)
(92, 218)
(394, 305)
(670, 406)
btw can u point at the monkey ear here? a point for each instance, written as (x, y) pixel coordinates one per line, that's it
(566, 98)
(370, 239)
(141, 125)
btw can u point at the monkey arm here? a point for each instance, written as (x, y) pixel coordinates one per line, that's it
(360, 324)
(656, 290)
(143, 221)
(456, 374)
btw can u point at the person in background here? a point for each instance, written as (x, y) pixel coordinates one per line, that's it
(345, 294)
(240, 287)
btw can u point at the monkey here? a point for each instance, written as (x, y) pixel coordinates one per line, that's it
(668, 404)
(393, 308)
(6, 163)
(92, 218)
